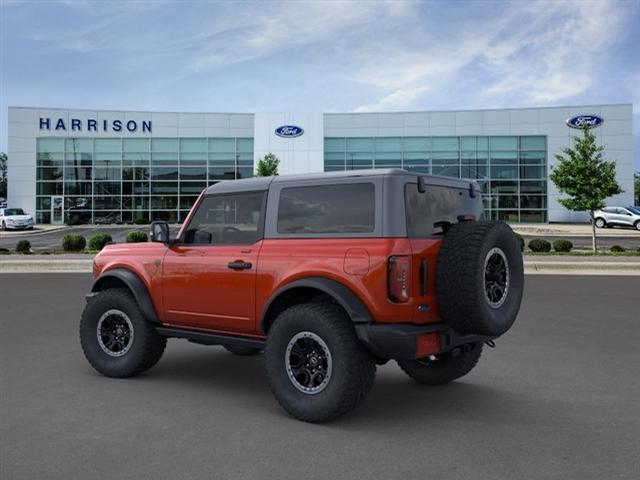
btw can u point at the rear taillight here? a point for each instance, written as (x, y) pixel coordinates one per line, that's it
(399, 278)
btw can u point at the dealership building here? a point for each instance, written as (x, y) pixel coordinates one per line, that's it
(106, 166)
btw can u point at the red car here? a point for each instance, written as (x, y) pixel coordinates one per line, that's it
(327, 274)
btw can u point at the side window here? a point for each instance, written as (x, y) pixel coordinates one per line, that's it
(233, 219)
(343, 208)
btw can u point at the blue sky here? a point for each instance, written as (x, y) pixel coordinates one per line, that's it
(318, 56)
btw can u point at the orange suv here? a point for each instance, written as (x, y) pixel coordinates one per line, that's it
(327, 274)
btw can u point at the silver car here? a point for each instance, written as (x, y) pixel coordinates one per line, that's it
(618, 216)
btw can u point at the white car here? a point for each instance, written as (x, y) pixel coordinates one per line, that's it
(15, 218)
(618, 216)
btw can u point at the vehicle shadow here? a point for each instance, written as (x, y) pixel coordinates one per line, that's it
(394, 399)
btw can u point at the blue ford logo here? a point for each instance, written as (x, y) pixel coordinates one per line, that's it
(289, 131)
(581, 121)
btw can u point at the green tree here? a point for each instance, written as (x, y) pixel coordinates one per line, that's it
(585, 177)
(3, 174)
(268, 166)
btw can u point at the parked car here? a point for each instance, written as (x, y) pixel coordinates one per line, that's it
(328, 274)
(618, 216)
(15, 218)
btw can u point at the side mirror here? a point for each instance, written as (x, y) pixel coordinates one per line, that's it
(160, 232)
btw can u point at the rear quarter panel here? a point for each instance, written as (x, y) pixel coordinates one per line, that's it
(283, 261)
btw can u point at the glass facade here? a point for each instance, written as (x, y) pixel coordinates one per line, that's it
(511, 170)
(114, 180)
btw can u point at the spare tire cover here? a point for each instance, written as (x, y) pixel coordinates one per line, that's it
(480, 278)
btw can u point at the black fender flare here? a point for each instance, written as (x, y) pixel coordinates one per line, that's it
(343, 295)
(135, 285)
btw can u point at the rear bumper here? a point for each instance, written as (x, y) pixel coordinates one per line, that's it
(408, 342)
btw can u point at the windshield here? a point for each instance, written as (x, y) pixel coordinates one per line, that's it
(13, 211)
(635, 210)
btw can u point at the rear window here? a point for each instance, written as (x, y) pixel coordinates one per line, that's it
(425, 210)
(344, 208)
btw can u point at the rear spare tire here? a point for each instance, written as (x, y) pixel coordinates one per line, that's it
(480, 278)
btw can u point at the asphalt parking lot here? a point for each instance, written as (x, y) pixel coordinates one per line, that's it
(558, 398)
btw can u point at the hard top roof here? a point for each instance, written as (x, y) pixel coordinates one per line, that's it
(262, 183)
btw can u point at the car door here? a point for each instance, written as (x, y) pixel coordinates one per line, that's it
(626, 218)
(209, 274)
(618, 216)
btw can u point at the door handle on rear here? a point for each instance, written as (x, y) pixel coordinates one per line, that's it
(239, 265)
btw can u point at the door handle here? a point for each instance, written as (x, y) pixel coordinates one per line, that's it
(239, 265)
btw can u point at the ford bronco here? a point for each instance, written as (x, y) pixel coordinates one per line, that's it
(327, 274)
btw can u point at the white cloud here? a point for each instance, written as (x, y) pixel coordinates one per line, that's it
(279, 27)
(531, 53)
(402, 98)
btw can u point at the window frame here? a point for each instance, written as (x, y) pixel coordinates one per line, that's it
(261, 219)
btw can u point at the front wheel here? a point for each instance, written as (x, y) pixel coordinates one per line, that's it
(116, 338)
(445, 368)
(4, 226)
(316, 367)
(600, 223)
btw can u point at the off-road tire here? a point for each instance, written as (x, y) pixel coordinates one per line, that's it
(147, 346)
(242, 351)
(443, 370)
(461, 278)
(353, 368)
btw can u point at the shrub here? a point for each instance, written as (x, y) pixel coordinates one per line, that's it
(562, 245)
(73, 242)
(23, 246)
(141, 220)
(99, 240)
(520, 240)
(72, 221)
(136, 236)
(618, 249)
(539, 245)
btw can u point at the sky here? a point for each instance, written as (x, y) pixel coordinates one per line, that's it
(318, 55)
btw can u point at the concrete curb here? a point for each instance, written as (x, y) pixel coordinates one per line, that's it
(531, 266)
(49, 265)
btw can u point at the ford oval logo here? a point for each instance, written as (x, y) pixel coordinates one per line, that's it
(289, 131)
(581, 121)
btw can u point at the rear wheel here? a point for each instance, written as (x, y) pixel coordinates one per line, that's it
(243, 351)
(316, 367)
(637, 225)
(443, 368)
(116, 339)
(600, 223)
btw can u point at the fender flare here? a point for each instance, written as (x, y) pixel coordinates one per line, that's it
(343, 295)
(135, 285)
